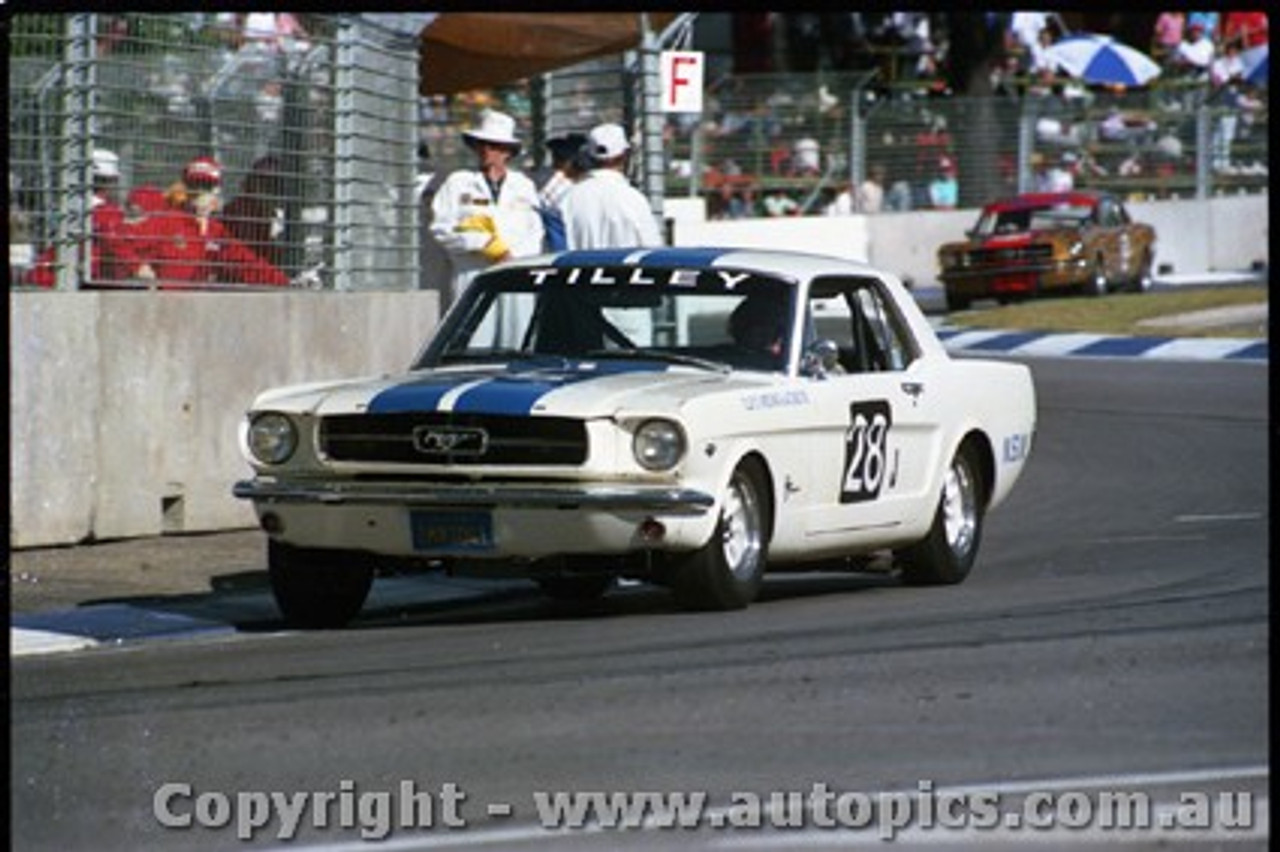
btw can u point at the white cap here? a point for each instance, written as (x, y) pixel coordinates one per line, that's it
(496, 127)
(607, 141)
(105, 164)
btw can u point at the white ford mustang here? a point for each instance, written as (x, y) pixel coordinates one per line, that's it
(686, 416)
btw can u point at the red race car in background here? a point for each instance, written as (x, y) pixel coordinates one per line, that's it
(1048, 243)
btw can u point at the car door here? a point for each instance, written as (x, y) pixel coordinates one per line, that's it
(879, 433)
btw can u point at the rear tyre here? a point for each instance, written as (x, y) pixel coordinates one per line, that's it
(726, 573)
(947, 553)
(1142, 281)
(318, 589)
(956, 302)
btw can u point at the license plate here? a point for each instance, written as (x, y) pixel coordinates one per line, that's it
(452, 532)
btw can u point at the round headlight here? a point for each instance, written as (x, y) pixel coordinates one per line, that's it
(658, 445)
(272, 438)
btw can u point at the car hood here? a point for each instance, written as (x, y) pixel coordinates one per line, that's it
(581, 389)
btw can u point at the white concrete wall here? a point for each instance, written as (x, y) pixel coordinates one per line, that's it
(1219, 234)
(124, 406)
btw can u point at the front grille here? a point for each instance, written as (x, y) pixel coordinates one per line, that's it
(1008, 256)
(444, 438)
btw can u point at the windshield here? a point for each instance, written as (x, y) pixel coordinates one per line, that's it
(1033, 219)
(714, 319)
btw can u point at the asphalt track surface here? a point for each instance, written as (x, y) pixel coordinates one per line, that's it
(1113, 637)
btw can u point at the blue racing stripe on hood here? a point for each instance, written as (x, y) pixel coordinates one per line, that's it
(421, 394)
(518, 392)
(515, 391)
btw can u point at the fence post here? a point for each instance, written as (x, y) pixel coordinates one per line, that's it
(1203, 152)
(1026, 144)
(74, 256)
(650, 117)
(857, 140)
(343, 142)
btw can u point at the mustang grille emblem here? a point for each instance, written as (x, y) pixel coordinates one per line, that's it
(450, 441)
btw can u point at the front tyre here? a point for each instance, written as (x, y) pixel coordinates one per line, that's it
(945, 555)
(317, 589)
(727, 571)
(1098, 285)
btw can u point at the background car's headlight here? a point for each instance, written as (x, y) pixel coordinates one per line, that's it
(658, 445)
(272, 438)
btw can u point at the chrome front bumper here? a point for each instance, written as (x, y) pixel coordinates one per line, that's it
(664, 499)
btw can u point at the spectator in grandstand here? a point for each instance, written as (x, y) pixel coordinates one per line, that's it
(806, 157)
(865, 197)
(870, 197)
(255, 217)
(603, 210)
(1245, 29)
(779, 202)
(943, 188)
(1166, 35)
(1208, 22)
(107, 253)
(1061, 177)
(1195, 53)
(1023, 34)
(274, 32)
(1039, 65)
(1227, 95)
(485, 214)
(1226, 67)
(899, 197)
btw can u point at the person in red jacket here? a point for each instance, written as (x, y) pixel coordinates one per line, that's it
(197, 247)
(105, 219)
(145, 234)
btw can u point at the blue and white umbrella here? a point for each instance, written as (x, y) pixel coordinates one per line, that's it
(1256, 62)
(1101, 60)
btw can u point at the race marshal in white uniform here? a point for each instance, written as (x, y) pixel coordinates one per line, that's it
(485, 215)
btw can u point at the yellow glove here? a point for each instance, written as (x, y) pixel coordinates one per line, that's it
(496, 249)
(478, 223)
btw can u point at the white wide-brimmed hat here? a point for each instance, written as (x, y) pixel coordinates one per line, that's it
(496, 127)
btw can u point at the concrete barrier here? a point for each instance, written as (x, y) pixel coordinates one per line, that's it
(124, 406)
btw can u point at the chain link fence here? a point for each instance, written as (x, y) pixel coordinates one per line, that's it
(313, 120)
(775, 145)
(319, 128)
